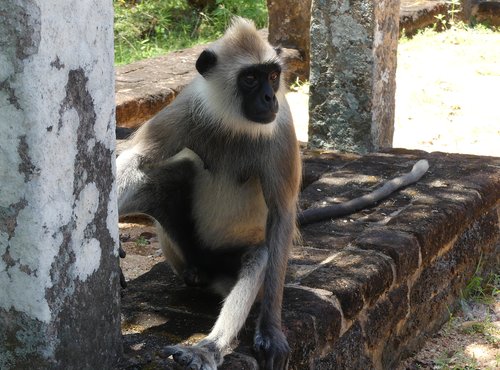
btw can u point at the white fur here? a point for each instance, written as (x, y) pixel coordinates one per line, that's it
(238, 303)
(129, 178)
(227, 213)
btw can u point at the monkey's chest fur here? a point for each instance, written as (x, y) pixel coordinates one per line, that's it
(228, 211)
(227, 206)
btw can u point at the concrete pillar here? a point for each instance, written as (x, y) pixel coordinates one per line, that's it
(353, 68)
(59, 282)
(289, 24)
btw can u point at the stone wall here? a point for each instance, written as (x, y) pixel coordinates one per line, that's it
(59, 292)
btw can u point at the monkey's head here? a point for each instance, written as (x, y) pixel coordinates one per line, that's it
(241, 80)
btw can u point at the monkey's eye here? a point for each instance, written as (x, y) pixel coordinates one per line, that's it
(274, 76)
(250, 80)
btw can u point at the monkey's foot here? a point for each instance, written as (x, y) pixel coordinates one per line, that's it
(203, 356)
(271, 347)
(194, 277)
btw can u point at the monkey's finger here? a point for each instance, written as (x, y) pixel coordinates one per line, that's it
(121, 251)
(123, 282)
(170, 351)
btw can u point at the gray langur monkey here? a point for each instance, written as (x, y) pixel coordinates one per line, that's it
(219, 171)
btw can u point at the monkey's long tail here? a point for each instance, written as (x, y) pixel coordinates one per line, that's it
(310, 216)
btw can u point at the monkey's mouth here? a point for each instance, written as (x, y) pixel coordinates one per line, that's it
(263, 117)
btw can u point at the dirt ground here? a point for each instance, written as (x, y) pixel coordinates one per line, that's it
(448, 99)
(448, 93)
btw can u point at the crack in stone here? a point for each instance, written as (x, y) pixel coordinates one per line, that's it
(8, 217)
(26, 166)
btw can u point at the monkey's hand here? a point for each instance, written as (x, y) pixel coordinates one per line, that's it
(122, 254)
(272, 349)
(184, 155)
(203, 356)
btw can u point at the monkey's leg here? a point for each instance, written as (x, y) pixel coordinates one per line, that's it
(140, 184)
(159, 190)
(208, 354)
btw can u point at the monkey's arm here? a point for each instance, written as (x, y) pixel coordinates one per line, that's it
(280, 190)
(269, 342)
(337, 210)
(141, 185)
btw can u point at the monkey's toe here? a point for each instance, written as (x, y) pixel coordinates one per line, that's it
(272, 349)
(195, 277)
(193, 358)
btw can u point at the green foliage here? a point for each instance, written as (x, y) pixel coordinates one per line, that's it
(141, 241)
(300, 86)
(482, 289)
(449, 20)
(145, 28)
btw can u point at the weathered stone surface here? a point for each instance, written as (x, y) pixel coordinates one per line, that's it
(289, 23)
(434, 294)
(145, 87)
(416, 15)
(356, 277)
(311, 322)
(349, 353)
(59, 297)
(487, 11)
(465, 186)
(402, 247)
(353, 67)
(382, 319)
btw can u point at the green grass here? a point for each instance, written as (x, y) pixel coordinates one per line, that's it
(146, 28)
(141, 241)
(482, 289)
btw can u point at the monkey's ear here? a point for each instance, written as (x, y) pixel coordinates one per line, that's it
(206, 61)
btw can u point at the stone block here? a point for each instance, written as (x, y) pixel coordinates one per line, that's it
(311, 323)
(349, 352)
(289, 23)
(145, 87)
(416, 15)
(353, 66)
(402, 247)
(383, 318)
(356, 277)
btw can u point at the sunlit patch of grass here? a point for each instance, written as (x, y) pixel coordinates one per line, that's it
(148, 28)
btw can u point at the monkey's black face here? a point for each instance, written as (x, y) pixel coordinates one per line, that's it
(257, 86)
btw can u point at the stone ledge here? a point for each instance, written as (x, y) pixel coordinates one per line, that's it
(415, 15)
(362, 292)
